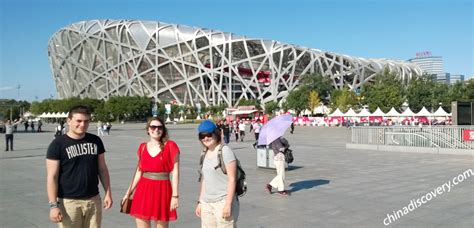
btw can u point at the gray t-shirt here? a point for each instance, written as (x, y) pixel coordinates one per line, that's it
(215, 181)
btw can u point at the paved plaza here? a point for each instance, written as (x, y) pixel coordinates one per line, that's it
(331, 186)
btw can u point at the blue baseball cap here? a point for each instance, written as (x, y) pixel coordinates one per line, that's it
(207, 126)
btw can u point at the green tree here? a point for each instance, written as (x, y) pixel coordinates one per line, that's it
(343, 99)
(285, 106)
(128, 108)
(386, 91)
(424, 91)
(470, 89)
(13, 108)
(313, 101)
(316, 82)
(247, 102)
(271, 107)
(297, 100)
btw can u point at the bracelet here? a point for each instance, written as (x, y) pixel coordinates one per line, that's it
(176, 197)
(53, 205)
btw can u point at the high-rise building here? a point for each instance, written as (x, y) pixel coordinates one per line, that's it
(432, 65)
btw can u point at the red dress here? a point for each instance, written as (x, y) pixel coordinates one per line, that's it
(152, 198)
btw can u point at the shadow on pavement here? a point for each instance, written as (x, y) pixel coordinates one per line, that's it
(307, 184)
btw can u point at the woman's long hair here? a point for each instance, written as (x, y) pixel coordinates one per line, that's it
(164, 135)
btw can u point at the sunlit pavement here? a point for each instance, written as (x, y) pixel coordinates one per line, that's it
(330, 185)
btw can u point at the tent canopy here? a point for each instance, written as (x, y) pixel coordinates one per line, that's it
(441, 112)
(407, 112)
(378, 112)
(350, 113)
(423, 112)
(241, 112)
(337, 113)
(364, 113)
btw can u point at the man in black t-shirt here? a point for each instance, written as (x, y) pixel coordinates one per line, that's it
(75, 162)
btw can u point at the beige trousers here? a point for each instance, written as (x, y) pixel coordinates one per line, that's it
(278, 182)
(81, 213)
(211, 215)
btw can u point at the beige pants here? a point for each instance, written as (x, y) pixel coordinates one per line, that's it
(211, 215)
(81, 213)
(278, 182)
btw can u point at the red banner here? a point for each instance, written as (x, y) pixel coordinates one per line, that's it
(468, 135)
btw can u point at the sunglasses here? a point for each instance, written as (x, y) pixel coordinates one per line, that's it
(154, 127)
(204, 135)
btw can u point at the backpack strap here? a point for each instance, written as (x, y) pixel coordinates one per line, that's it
(201, 161)
(220, 160)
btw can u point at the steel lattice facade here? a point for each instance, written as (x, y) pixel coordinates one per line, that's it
(185, 65)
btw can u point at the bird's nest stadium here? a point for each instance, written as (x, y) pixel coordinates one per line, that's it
(186, 65)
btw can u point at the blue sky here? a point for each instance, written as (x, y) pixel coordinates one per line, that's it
(366, 28)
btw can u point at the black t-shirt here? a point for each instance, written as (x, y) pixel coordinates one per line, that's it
(78, 165)
(225, 129)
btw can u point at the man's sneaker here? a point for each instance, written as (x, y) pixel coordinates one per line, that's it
(268, 188)
(284, 193)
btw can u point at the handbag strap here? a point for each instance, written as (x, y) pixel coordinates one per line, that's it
(143, 145)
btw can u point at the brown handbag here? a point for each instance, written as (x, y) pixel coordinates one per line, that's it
(126, 204)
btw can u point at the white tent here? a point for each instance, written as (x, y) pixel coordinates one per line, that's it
(441, 112)
(350, 113)
(321, 109)
(407, 112)
(53, 115)
(336, 113)
(392, 112)
(423, 112)
(378, 112)
(364, 113)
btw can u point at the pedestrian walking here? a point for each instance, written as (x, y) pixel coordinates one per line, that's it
(217, 205)
(226, 131)
(278, 146)
(155, 197)
(242, 130)
(59, 129)
(75, 162)
(32, 125)
(108, 127)
(9, 133)
(26, 125)
(100, 128)
(235, 129)
(256, 130)
(40, 124)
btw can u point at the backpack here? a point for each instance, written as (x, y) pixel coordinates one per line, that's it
(288, 156)
(240, 185)
(288, 152)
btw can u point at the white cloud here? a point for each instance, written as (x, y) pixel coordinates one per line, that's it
(6, 88)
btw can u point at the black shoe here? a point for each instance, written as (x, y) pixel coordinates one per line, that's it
(268, 188)
(284, 193)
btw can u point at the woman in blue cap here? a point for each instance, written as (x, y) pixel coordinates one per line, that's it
(217, 205)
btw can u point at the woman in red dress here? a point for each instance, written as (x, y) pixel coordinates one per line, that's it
(155, 197)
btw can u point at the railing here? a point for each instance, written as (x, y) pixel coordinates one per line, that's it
(450, 137)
